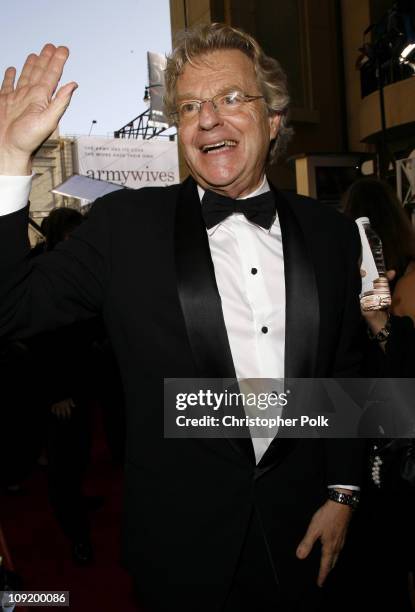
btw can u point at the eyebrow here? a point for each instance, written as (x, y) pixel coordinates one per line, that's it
(227, 89)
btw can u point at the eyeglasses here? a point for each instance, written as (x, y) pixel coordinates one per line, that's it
(224, 104)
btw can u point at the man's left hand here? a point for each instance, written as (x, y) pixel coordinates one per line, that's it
(329, 524)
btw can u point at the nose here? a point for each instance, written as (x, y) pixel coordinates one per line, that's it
(208, 116)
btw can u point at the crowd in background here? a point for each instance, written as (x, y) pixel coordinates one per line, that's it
(66, 372)
(384, 574)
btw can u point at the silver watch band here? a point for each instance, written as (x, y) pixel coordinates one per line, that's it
(344, 498)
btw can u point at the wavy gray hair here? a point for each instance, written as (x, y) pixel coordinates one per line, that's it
(271, 78)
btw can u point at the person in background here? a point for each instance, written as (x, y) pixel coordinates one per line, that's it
(59, 225)
(386, 518)
(370, 197)
(103, 370)
(65, 360)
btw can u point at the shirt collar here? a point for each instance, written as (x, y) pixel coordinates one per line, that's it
(263, 188)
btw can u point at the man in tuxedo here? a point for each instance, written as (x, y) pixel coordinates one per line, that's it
(202, 279)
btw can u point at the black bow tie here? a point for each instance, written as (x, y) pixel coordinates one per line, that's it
(259, 209)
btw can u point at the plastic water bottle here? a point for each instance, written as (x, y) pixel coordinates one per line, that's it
(376, 295)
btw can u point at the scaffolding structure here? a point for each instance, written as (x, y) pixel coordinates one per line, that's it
(143, 127)
(405, 180)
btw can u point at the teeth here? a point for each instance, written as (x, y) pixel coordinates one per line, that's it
(217, 145)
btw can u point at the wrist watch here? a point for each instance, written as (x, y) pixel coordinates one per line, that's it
(344, 498)
(382, 334)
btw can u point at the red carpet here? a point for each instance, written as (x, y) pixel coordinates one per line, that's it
(42, 555)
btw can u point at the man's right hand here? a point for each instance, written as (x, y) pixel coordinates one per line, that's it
(29, 111)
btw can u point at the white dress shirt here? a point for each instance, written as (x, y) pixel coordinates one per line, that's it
(249, 269)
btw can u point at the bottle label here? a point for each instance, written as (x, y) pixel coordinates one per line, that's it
(368, 262)
(375, 294)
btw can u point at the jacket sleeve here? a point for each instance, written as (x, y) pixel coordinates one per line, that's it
(345, 457)
(57, 288)
(349, 353)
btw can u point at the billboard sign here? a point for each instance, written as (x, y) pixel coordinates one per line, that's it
(128, 162)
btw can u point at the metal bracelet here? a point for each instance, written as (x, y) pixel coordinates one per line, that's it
(382, 334)
(344, 498)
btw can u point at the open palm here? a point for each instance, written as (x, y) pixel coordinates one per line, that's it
(29, 111)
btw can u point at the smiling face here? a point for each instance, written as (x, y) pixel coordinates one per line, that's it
(226, 154)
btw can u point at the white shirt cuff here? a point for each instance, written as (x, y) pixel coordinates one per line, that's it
(340, 486)
(14, 193)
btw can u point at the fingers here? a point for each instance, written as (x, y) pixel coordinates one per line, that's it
(326, 565)
(26, 70)
(65, 412)
(61, 101)
(44, 69)
(63, 409)
(39, 66)
(56, 410)
(34, 66)
(8, 82)
(54, 69)
(49, 68)
(306, 544)
(329, 559)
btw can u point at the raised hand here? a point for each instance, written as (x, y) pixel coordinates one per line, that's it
(63, 409)
(376, 320)
(29, 111)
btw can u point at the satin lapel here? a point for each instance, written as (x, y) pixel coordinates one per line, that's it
(302, 315)
(302, 318)
(199, 296)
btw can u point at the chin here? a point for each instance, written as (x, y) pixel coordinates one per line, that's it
(217, 178)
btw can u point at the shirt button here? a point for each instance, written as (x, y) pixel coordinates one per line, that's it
(264, 330)
(254, 270)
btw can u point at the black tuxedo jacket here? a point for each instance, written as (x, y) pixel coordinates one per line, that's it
(143, 259)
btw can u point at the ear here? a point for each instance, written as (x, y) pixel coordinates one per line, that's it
(274, 125)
